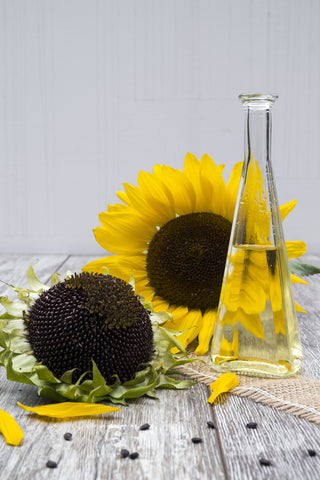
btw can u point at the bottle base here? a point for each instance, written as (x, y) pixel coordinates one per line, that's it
(250, 367)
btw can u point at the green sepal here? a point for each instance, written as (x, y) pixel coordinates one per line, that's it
(304, 269)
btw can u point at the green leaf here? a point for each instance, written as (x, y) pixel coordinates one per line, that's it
(55, 279)
(67, 376)
(45, 374)
(23, 363)
(304, 269)
(51, 394)
(168, 382)
(34, 282)
(15, 309)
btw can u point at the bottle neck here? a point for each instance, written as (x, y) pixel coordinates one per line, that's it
(257, 129)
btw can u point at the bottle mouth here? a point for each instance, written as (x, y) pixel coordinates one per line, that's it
(257, 98)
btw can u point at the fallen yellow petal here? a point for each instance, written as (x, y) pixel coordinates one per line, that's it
(223, 384)
(69, 409)
(10, 429)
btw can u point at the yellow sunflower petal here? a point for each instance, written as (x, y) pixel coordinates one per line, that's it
(295, 249)
(10, 429)
(69, 409)
(177, 182)
(188, 322)
(232, 190)
(223, 384)
(213, 185)
(299, 309)
(206, 332)
(119, 266)
(287, 208)
(295, 279)
(158, 196)
(123, 197)
(123, 233)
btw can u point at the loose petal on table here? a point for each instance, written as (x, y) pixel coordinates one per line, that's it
(69, 409)
(223, 384)
(10, 429)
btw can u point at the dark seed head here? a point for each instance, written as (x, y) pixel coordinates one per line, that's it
(265, 462)
(186, 260)
(124, 453)
(67, 436)
(51, 464)
(252, 425)
(134, 455)
(196, 440)
(210, 424)
(90, 317)
(312, 453)
(145, 426)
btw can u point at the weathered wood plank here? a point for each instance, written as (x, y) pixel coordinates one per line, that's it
(166, 449)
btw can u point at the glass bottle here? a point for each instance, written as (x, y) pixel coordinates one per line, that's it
(257, 330)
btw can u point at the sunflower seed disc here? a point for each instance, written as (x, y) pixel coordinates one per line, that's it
(67, 436)
(51, 464)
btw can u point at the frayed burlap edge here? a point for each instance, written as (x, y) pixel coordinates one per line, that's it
(297, 395)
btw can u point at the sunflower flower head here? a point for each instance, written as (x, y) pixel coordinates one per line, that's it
(88, 338)
(172, 231)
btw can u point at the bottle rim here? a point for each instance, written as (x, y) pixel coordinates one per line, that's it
(258, 97)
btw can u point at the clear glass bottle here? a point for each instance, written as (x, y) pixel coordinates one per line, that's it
(257, 330)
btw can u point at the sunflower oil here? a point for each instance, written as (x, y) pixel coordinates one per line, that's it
(256, 331)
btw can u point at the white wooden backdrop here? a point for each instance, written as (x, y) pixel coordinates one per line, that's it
(92, 91)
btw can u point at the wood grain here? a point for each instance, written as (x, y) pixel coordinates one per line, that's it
(230, 451)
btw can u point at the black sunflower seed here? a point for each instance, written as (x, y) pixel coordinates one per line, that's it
(265, 462)
(312, 453)
(124, 453)
(51, 464)
(252, 425)
(196, 440)
(134, 455)
(145, 426)
(67, 436)
(210, 424)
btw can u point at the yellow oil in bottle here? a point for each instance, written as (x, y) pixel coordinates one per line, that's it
(257, 331)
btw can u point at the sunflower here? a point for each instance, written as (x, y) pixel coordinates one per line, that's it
(172, 233)
(88, 339)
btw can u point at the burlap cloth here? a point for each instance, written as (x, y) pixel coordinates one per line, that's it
(297, 395)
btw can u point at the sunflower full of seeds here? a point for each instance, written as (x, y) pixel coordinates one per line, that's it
(172, 232)
(88, 338)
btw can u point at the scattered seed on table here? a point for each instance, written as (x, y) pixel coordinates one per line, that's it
(51, 464)
(134, 455)
(312, 453)
(265, 462)
(252, 425)
(124, 453)
(67, 436)
(145, 426)
(196, 440)
(210, 424)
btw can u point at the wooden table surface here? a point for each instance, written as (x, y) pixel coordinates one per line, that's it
(230, 451)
